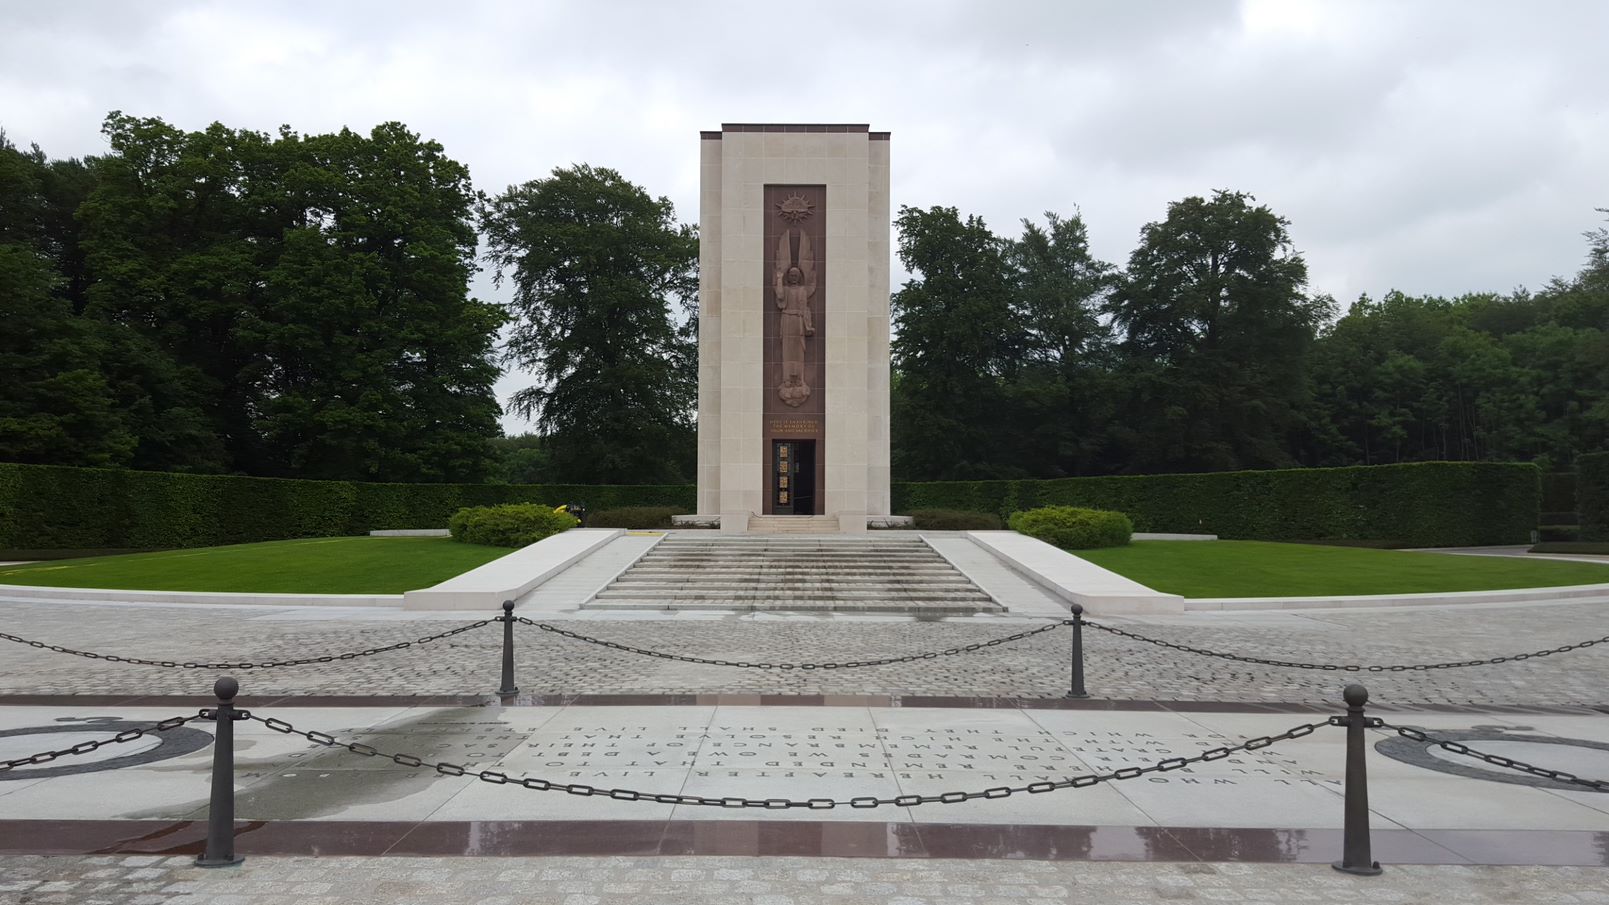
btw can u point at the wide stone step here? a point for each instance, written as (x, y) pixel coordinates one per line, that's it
(784, 590)
(791, 556)
(794, 575)
(927, 575)
(781, 598)
(905, 607)
(794, 540)
(899, 574)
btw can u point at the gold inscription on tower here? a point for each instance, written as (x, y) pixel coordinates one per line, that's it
(794, 427)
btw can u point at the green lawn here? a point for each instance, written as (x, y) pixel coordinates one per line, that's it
(327, 565)
(1257, 569)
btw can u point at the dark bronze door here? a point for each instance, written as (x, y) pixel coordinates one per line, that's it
(793, 477)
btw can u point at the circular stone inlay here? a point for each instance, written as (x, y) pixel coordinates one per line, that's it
(1586, 759)
(70, 731)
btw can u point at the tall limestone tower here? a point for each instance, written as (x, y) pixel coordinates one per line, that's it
(793, 327)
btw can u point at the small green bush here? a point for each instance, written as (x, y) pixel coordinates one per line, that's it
(633, 517)
(1073, 528)
(511, 525)
(1558, 533)
(954, 520)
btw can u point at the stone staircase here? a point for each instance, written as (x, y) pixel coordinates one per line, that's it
(879, 572)
(793, 524)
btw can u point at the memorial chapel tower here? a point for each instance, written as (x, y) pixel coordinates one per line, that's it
(793, 327)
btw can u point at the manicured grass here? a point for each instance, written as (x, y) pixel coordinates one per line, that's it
(1257, 569)
(327, 565)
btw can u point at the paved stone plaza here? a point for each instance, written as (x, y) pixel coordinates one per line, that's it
(1036, 667)
(155, 880)
(1426, 821)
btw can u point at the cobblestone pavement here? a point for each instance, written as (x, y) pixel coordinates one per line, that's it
(1036, 667)
(153, 880)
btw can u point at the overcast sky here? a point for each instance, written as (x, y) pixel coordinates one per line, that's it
(1431, 147)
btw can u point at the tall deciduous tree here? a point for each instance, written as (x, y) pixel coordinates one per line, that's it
(311, 293)
(602, 273)
(960, 337)
(55, 404)
(1216, 326)
(378, 363)
(1064, 399)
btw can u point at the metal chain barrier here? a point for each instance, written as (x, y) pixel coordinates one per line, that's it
(1497, 760)
(274, 664)
(127, 735)
(744, 664)
(1346, 667)
(778, 804)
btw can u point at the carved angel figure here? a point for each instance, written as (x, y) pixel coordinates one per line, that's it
(794, 283)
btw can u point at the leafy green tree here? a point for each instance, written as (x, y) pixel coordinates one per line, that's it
(1215, 329)
(960, 337)
(376, 362)
(601, 271)
(523, 459)
(1063, 398)
(55, 405)
(310, 292)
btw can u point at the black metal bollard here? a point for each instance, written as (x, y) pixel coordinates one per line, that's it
(220, 851)
(1078, 690)
(1355, 856)
(508, 687)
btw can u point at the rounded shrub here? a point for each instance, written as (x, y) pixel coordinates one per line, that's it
(1073, 528)
(509, 525)
(954, 520)
(633, 517)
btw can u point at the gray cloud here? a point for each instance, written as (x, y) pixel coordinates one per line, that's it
(1433, 147)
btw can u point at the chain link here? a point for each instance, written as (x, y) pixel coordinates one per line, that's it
(1497, 760)
(274, 664)
(1081, 781)
(744, 664)
(1345, 667)
(127, 735)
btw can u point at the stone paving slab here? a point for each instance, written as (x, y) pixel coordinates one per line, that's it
(758, 752)
(1036, 667)
(156, 880)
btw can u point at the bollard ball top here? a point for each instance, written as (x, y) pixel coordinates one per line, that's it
(508, 606)
(1078, 609)
(226, 688)
(1355, 695)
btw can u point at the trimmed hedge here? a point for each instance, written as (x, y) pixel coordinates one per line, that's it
(1595, 548)
(639, 517)
(1592, 495)
(1430, 504)
(1558, 494)
(954, 520)
(1073, 528)
(46, 507)
(508, 525)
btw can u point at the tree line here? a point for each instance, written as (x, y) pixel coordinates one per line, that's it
(1027, 357)
(230, 301)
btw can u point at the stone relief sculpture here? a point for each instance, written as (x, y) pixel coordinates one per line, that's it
(794, 283)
